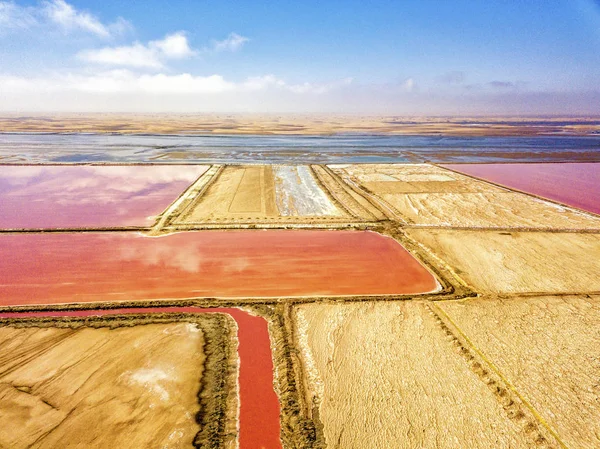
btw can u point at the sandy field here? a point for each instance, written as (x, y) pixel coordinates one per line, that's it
(270, 194)
(481, 210)
(427, 195)
(547, 347)
(518, 262)
(104, 386)
(386, 375)
(298, 124)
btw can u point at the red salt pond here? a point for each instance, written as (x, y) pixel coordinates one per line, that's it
(41, 268)
(50, 197)
(573, 184)
(259, 406)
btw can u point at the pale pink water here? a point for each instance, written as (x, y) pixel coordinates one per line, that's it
(574, 184)
(50, 197)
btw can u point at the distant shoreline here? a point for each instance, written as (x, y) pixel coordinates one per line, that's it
(297, 125)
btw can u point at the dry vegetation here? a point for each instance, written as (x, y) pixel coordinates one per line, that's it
(297, 124)
(492, 372)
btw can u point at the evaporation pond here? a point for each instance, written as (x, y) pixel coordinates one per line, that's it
(83, 267)
(75, 196)
(574, 184)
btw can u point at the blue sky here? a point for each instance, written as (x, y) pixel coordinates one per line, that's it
(372, 57)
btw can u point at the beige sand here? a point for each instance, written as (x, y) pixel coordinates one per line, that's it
(123, 387)
(548, 347)
(518, 262)
(346, 197)
(385, 375)
(480, 210)
(237, 193)
(428, 195)
(319, 124)
(263, 193)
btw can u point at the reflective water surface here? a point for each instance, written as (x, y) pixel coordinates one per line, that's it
(574, 184)
(347, 148)
(41, 197)
(82, 267)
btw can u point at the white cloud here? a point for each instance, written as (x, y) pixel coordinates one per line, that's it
(57, 14)
(13, 16)
(68, 18)
(233, 42)
(262, 82)
(136, 55)
(128, 91)
(127, 81)
(152, 55)
(408, 84)
(175, 46)
(319, 88)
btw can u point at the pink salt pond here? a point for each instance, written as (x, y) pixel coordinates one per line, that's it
(88, 267)
(574, 184)
(68, 197)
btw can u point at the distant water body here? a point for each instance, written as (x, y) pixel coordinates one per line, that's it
(119, 148)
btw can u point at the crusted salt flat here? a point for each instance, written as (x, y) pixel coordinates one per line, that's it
(297, 193)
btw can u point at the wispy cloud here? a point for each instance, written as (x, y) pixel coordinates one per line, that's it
(57, 14)
(68, 18)
(13, 16)
(233, 42)
(127, 91)
(152, 55)
(408, 84)
(318, 88)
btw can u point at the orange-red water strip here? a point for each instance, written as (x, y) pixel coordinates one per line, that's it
(259, 404)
